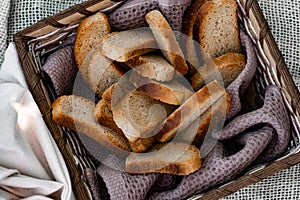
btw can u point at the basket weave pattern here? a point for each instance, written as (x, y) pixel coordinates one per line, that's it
(43, 37)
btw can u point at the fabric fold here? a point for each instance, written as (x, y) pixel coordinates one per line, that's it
(25, 186)
(274, 114)
(25, 142)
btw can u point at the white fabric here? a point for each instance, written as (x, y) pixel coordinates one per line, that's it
(30, 162)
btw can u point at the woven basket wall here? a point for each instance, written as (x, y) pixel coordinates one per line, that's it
(33, 42)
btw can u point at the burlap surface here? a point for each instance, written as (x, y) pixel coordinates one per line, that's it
(283, 18)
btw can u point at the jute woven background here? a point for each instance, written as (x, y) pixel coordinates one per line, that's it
(283, 18)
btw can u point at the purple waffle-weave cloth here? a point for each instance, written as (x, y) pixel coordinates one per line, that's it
(238, 87)
(272, 113)
(132, 13)
(61, 70)
(268, 140)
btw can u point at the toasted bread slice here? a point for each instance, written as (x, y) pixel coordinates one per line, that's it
(152, 66)
(107, 95)
(103, 114)
(191, 49)
(211, 120)
(167, 41)
(138, 115)
(89, 35)
(216, 28)
(173, 158)
(140, 145)
(172, 92)
(190, 110)
(102, 73)
(225, 69)
(76, 113)
(190, 17)
(125, 45)
(121, 87)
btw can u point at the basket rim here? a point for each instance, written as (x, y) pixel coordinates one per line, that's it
(51, 23)
(40, 94)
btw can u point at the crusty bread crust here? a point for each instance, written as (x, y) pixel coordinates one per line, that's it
(185, 159)
(112, 97)
(209, 120)
(89, 35)
(190, 110)
(125, 45)
(103, 115)
(190, 16)
(102, 73)
(140, 145)
(75, 113)
(216, 28)
(132, 114)
(166, 40)
(171, 92)
(190, 50)
(107, 95)
(225, 69)
(152, 66)
(138, 115)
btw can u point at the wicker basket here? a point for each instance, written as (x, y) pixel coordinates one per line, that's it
(33, 42)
